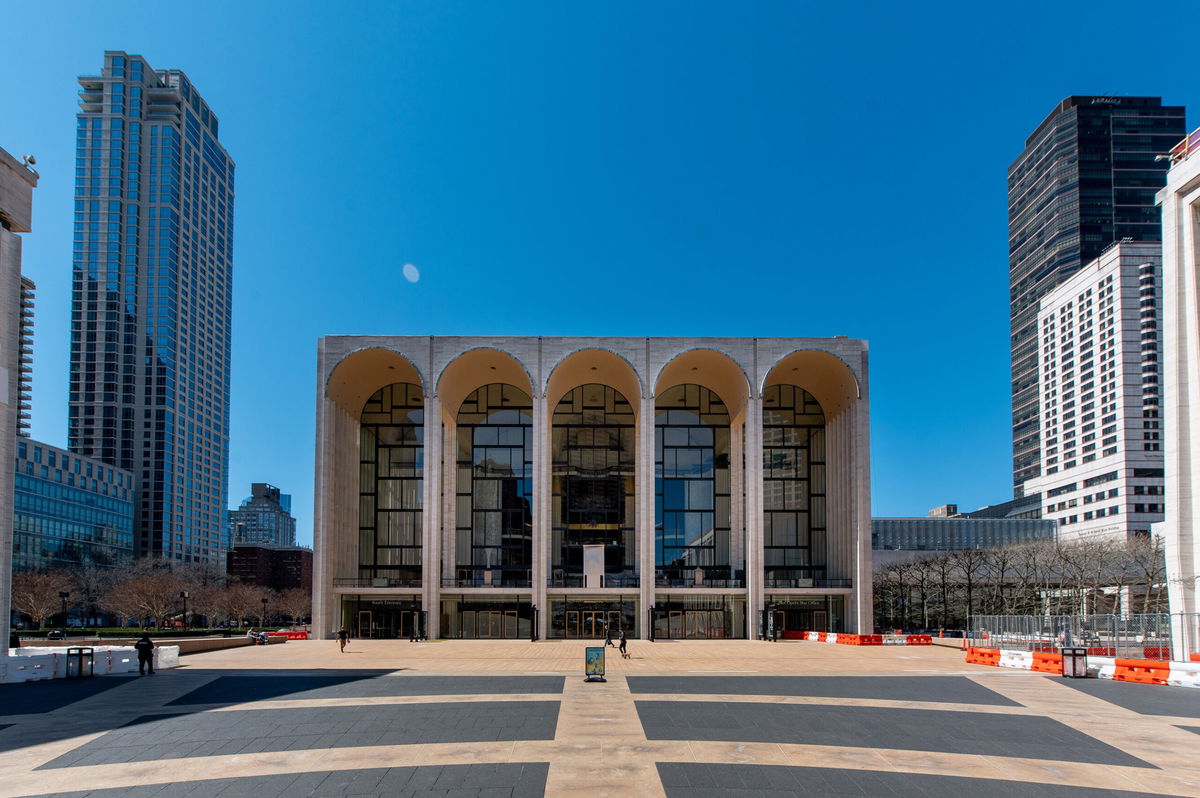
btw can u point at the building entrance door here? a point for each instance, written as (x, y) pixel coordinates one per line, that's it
(365, 626)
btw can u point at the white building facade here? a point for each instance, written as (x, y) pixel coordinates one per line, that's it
(1101, 474)
(1180, 202)
(551, 487)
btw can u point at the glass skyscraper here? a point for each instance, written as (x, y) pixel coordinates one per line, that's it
(151, 302)
(1086, 179)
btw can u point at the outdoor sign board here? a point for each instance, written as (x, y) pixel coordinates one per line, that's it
(593, 664)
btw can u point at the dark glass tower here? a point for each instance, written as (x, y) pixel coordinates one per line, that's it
(1086, 179)
(151, 301)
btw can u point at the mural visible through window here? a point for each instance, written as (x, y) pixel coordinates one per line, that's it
(593, 489)
(691, 486)
(793, 487)
(494, 525)
(391, 466)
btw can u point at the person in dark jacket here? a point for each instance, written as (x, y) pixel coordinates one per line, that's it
(342, 637)
(145, 652)
(624, 653)
(608, 633)
(13, 640)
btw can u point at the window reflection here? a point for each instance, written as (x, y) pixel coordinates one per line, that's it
(691, 485)
(593, 485)
(793, 487)
(494, 544)
(391, 466)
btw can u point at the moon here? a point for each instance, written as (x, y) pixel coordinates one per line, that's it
(411, 273)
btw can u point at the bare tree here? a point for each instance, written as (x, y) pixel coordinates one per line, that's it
(35, 593)
(239, 600)
(296, 603)
(1148, 561)
(970, 566)
(92, 581)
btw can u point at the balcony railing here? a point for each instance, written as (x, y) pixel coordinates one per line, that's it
(799, 583)
(667, 581)
(606, 580)
(375, 581)
(487, 580)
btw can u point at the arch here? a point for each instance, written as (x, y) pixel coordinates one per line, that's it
(475, 368)
(359, 374)
(594, 366)
(714, 370)
(823, 374)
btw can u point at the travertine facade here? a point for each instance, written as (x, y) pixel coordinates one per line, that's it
(649, 521)
(1180, 202)
(16, 204)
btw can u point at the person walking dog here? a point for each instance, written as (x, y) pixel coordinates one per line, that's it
(145, 652)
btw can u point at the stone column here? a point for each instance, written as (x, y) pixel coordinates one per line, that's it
(754, 514)
(431, 518)
(542, 421)
(860, 457)
(10, 366)
(644, 481)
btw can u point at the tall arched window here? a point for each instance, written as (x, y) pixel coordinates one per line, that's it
(494, 526)
(691, 486)
(391, 473)
(793, 487)
(593, 454)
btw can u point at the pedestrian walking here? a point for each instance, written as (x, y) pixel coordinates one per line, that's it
(145, 652)
(608, 635)
(624, 653)
(342, 637)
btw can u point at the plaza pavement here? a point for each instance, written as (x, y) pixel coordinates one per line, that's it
(726, 719)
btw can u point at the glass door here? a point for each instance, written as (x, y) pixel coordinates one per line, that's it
(675, 625)
(510, 624)
(364, 624)
(573, 624)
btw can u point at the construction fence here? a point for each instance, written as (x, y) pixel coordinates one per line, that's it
(1161, 636)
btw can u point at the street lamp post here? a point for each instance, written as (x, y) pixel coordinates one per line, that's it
(64, 595)
(183, 594)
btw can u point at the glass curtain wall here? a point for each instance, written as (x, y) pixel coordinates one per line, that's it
(593, 453)
(391, 475)
(691, 485)
(494, 524)
(793, 488)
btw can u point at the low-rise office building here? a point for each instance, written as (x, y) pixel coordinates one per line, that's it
(507, 487)
(277, 567)
(904, 539)
(69, 510)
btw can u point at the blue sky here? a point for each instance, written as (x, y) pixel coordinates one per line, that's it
(674, 168)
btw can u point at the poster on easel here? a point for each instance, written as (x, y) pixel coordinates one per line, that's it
(593, 664)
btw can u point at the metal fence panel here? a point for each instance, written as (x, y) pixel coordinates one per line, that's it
(1141, 636)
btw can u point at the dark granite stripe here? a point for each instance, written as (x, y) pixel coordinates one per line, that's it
(699, 780)
(946, 689)
(873, 727)
(257, 731)
(241, 689)
(518, 779)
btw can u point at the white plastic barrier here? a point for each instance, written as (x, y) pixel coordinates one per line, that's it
(1102, 667)
(33, 663)
(831, 637)
(1022, 660)
(1184, 674)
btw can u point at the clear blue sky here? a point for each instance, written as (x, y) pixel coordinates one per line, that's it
(685, 168)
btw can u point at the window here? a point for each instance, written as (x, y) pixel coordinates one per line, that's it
(391, 471)
(692, 488)
(494, 487)
(794, 522)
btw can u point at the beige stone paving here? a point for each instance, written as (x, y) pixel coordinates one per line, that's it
(599, 747)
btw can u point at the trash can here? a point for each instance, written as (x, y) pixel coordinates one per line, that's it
(80, 663)
(1074, 663)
